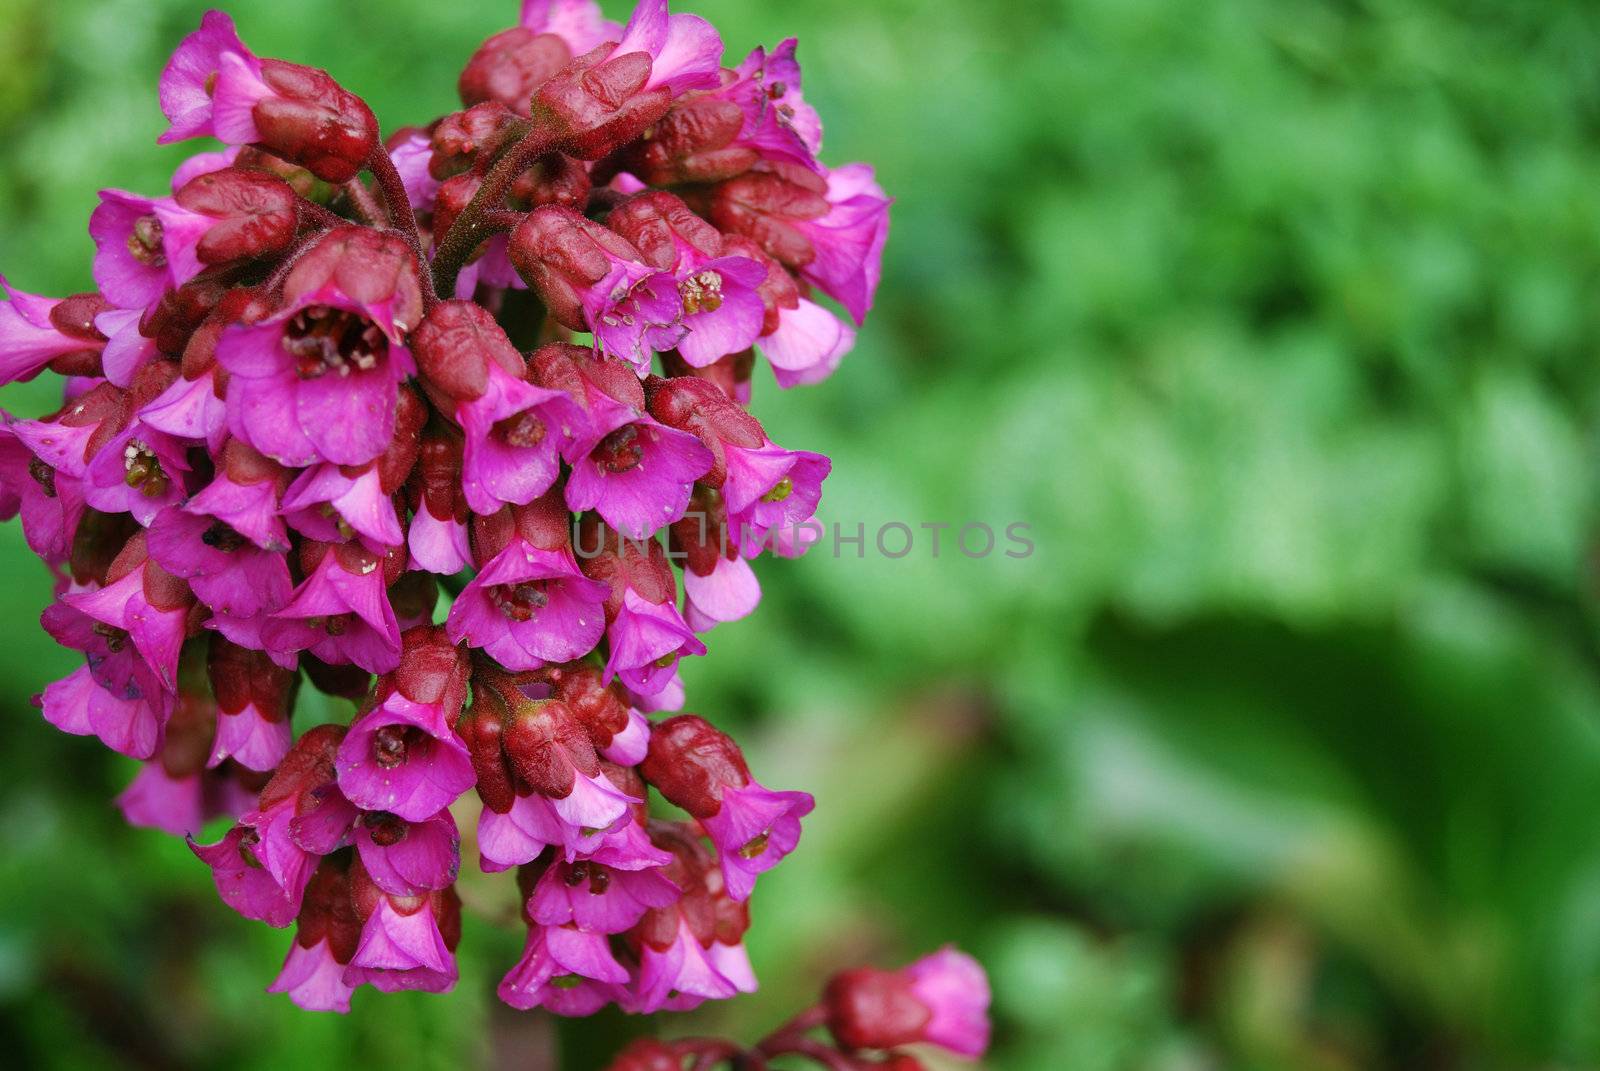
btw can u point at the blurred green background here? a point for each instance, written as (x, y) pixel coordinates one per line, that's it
(1273, 319)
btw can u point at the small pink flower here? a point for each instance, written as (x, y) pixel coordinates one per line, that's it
(565, 970)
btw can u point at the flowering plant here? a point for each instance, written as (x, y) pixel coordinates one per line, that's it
(330, 374)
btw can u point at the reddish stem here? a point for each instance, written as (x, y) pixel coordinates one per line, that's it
(366, 205)
(471, 226)
(404, 217)
(318, 215)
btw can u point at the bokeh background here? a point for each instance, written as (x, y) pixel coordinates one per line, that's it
(1274, 319)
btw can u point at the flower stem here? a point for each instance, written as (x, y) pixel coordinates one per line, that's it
(471, 226)
(403, 216)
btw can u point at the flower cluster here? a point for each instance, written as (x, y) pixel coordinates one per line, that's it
(505, 358)
(872, 1017)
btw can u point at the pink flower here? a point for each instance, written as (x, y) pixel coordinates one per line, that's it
(646, 639)
(727, 593)
(326, 936)
(636, 473)
(244, 495)
(313, 977)
(50, 502)
(319, 379)
(131, 630)
(685, 50)
(406, 942)
(405, 758)
(954, 989)
(592, 279)
(254, 698)
(34, 331)
(341, 613)
(700, 769)
(144, 246)
(179, 804)
(514, 433)
(563, 969)
(80, 705)
(723, 312)
(528, 606)
(596, 898)
(189, 82)
(227, 572)
(753, 830)
(681, 966)
(942, 999)
(408, 858)
(769, 488)
(329, 503)
(849, 239)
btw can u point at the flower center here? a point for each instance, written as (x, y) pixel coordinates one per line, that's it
(780, 491)
(619, 451)
(44, 476)
(567, 981)
(332, 625)
(598, 876)
(754, 846)
(701, 292)
(343, 526)
(145, 242)
(142, 469)
(519, 602)
(247, 848)
(386, 829)
(324, 339)
(521, 429)
(391, 744)
(222, 537)
(116, 638)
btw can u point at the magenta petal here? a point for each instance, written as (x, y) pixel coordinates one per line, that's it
(313, 979)
(187, 80)
(157, 800)
(349, 418)
(427, 856)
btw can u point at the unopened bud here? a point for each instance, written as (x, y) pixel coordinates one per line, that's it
(511, 66)
(598, 102)
(256, 213)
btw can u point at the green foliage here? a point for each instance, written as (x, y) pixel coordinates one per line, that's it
(1273, 320)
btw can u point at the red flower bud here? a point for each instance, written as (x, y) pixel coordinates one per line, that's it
(313, 121)
(692, 144)
(241, 677)
(484, 731)
(366, 265)
(347, 682)
(256, 213)
(623, 564)
(646, 1054)
(555, 179)
(870, 1008)
(690, 761)
(699, 407)
(452, 199)
(560, 253)
(510, 66)
(655, 222)
(454, 344)
(598, 102)
(307, 766)
(432, 670)
(548, 748)
(761, 205)
(463, 138)
(328, 910)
